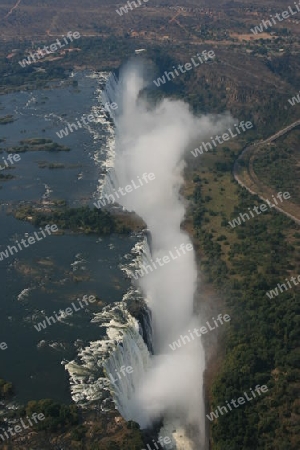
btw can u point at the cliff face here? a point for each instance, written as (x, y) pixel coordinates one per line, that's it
(251, 87)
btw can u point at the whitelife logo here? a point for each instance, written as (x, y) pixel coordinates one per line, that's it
(63, 314)
(53, 48)
(184, 339)
(241, 401)
(3, 346)
(294, 100)
(124, 9)
(11, 158)
(263, 207)
(273, 293)
(162, 441)
(90, 118)
(285, 15)
(31, 240)
(183, 248)
(225, 136)
(188, 66)
(19, 428)
(104, 383)
(128, 188)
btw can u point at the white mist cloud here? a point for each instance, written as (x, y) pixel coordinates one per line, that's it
(155, 140)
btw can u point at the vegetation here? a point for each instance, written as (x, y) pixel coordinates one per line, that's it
(84, 220)
(275, 161)
(57, 165)
(37, 145)
(70, 426)
(6, 177)
(262, 345)
(6, 119)
(252, 79)
(45, 164)
(14, 77)
(56, 415)
(6, 389)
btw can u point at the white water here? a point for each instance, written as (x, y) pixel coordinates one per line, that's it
(121, 346)
(168, 385)
(134, 354)
(155, 140)
(122, 342)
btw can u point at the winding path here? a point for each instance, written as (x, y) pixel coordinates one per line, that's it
(250, 181)
(14, 7)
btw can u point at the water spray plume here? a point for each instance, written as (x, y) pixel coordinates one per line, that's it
(155, 139)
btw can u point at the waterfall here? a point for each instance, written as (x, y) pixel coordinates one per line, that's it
(94, 374)
(170, 386)
(131, 353)
(108, 94)
(163, 384)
